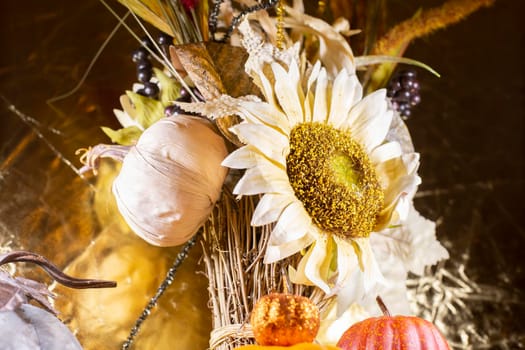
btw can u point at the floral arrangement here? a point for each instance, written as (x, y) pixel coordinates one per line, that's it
(285, 156)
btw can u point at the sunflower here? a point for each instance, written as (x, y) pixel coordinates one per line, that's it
(318, 154)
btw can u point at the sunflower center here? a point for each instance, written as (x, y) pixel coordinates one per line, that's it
(332, 176)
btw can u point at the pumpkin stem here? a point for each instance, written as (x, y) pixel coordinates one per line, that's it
(382, 306)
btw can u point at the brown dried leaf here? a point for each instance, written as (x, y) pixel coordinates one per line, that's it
(199, 64)
(15, 291)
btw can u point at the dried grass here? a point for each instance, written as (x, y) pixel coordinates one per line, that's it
(233, 258)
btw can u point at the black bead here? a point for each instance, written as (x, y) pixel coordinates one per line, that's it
(184, 96)
(165, 39)
(139, 54)
(144, 64)
(407, 82)
(144, 75)
(415, 100)
(151, 89)
(402, 95)
(172, 110)
(408, 73)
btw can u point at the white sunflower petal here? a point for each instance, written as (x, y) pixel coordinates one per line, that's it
(370, 120)
(276, 253)
(347, 262)
(265, 139)
(372, 273)
(386, 152)
(309, 97)
(267, 114)
(342, 99)
(270, 208)
(263, 179)
(321, 98)
(314, 74)
(286, 90)
(297, 276)
(318, 262)
(352, 292)
(242, 158)
(293, 224)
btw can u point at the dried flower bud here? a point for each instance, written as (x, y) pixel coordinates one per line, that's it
(171, 179)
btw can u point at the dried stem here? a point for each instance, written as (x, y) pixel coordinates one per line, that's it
(233, 259)
(54, 271)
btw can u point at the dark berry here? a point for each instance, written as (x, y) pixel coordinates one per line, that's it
(415, 100)
(407, 82)
(151, 89)
(144, 64)
(172, 110)
(402, 95)
(403, 90)
(144, 75)
(140, 54)
(165, 39)
(141, 92)
(408, 73)
(184, 96)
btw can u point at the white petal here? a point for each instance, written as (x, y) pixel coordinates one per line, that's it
(351, 293)
(401, 188)
(270, 208)
(264, 178)
(266, 140)
(276, 253)
(241, 158)
(423, 247)
(347, 262)
(333, 325)
(286, 90)
(258, 112)
(293, 224)
(386, 152)
(318, 263)
(321, 98)
(372, 273)
(370, 120)
(343, 94)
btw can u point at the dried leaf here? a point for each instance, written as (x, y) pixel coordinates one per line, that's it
(200, 68)
(31, 328)
(169, 89)
(229, 62)
(16, 291)
(150, 11)
(197, 62)
(148, 110)
(125, 136)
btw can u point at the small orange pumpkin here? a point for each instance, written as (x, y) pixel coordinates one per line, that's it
(284, 319)
(392, 332)
(300, 346)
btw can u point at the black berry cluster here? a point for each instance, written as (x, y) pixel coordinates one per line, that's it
(141, 57)
(403, 89)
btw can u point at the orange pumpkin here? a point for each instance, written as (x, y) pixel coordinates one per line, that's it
(300, 346)
(392, 332)
(284, 319)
